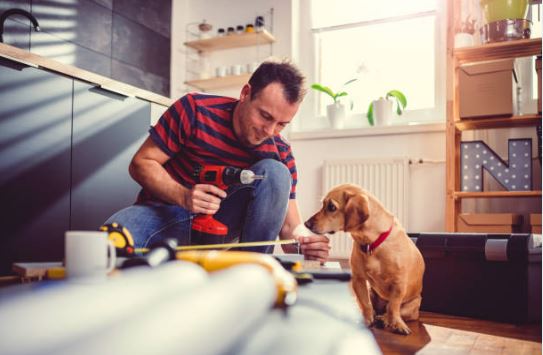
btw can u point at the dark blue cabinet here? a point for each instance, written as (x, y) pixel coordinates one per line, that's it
(107, 130)
(35, 154)
(65, 147)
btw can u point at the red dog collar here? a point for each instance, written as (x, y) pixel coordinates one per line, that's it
(369, 248)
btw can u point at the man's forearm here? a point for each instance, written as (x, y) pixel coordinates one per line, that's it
(155, 179)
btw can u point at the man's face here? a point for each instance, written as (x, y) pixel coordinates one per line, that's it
(266, 115)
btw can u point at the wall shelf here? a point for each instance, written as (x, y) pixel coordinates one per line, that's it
(492, 194)
(218, 83)
(497, 122)
(501, 50)
(245, 39)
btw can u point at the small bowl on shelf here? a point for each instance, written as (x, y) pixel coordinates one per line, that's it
(505, 30)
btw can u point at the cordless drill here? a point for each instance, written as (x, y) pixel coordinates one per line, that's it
(205, 227)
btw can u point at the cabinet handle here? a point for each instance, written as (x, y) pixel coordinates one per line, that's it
(115, 91)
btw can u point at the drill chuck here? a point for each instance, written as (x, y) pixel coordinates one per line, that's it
(248, 177)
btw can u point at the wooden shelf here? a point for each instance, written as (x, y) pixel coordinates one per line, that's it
(500, 50)
(245, 39)
(218, 83)
(497, 122)
(499, 194)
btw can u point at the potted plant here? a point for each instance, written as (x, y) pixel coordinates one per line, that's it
(335, 111)
(380, 111)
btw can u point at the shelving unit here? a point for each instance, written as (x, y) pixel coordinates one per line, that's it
(218, 83)
(232, 41)
(204, 46)
(455, 125)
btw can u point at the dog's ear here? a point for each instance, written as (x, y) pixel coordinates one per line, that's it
(356, 211)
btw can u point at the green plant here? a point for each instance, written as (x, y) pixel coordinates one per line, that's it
(397, 96)
(334, 95)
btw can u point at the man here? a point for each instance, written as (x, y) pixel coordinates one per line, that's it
(199, 130)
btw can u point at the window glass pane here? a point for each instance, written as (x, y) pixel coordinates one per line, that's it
(386, 56)
(326, 13)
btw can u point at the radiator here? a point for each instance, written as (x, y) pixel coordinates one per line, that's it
(387, 179)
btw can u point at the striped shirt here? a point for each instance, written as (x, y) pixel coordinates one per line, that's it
(197, 130)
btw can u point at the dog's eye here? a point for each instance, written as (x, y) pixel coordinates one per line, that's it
(331, 207)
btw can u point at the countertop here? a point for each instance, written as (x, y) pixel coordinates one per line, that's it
(36, 61)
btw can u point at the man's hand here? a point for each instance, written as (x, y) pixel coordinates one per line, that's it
(315, 247)
(204, 198)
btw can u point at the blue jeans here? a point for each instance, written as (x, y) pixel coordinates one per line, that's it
(254, 212)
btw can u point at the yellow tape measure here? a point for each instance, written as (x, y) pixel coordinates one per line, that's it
(121, 238)
(226, 245)
(124, 242)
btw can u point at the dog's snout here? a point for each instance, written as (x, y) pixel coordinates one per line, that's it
(309, 223)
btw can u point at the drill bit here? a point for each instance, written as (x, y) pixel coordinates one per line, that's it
(248, 177)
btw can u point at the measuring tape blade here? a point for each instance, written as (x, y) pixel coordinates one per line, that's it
(228, 245)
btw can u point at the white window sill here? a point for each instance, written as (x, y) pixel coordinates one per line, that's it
(411, 128)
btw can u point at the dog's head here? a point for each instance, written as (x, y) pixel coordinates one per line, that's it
(344, 208)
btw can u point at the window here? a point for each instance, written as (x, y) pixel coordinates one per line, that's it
(395, 44)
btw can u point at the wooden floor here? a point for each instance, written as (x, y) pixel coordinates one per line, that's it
(443, 334)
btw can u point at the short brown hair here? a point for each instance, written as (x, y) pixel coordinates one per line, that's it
(284, 73)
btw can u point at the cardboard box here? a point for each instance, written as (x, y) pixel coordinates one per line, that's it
(535, 223)
(538, 70)
(489, 223)
(488, 89)
(496, 277)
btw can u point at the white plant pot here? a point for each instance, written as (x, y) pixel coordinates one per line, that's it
(382, 112)
(336, 115)
(463, 40)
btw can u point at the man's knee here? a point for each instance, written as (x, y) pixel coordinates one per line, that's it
(276, 174)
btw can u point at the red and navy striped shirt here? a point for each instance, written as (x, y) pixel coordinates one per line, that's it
(197, 130)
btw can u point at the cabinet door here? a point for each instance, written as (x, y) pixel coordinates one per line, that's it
(35, 132)
(108, 130)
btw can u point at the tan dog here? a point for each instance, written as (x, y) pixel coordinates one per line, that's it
(387, 279)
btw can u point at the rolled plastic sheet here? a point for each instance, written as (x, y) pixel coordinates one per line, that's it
(40, 321)
(208, 320)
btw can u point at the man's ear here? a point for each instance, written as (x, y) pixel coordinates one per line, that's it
(245, 93)
(356, 211)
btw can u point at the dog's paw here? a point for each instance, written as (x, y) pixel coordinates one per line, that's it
(378, 322)
(398, 326)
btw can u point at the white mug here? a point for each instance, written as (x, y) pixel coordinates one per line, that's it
(236, 69)
(90, 255)
(220, 71)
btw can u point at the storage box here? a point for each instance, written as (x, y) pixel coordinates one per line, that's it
(495, 277)
(489, 223)
(538, 70)
(487, 89)
(535, 223)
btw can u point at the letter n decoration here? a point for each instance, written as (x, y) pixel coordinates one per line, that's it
(516, 175)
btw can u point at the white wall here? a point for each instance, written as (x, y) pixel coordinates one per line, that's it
(427, 192)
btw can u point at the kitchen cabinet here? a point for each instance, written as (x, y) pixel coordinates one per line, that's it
(35, 154)
(456, 125)
(108, 128)
(65, 147)
(206, 46)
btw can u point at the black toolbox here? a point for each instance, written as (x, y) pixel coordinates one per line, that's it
(487, 276)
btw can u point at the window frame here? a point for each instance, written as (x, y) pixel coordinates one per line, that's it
(312, 119)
